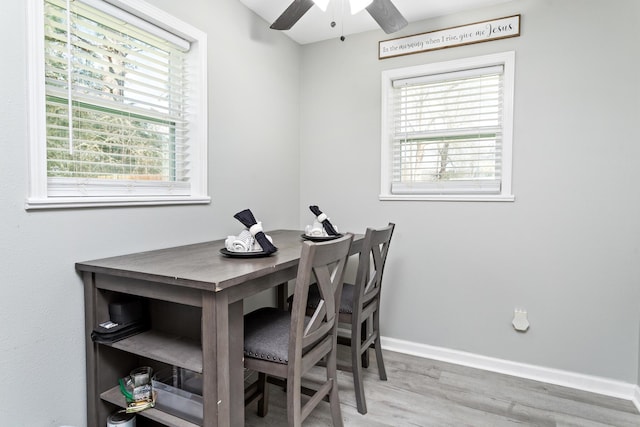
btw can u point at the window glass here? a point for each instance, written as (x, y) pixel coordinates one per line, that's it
(447, 130)
(118, 113)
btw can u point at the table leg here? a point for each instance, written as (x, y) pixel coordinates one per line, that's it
(236, 362)
(101, 369)
(282, 295)
(90, 296)
(214, 356)
(222, 346)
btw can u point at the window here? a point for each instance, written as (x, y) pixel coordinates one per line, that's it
(447, 130)
(118, 106)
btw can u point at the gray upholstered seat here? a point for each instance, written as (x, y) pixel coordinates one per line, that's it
(346, 299)
(287, 345)
(267, 334)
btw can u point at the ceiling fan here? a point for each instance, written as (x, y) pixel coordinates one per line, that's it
(382, 11)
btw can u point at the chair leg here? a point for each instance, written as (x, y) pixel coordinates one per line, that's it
(294, 402)
(334, 398)
(263, 389)
(365, 333)
(379, 361)
(356, 365)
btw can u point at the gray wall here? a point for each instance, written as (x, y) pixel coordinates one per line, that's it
(566, 250)
(253, 97)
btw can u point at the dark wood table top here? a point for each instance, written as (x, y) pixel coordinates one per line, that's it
(201, 265)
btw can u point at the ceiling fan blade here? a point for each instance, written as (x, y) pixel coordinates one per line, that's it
(292, 14)
(387, 16)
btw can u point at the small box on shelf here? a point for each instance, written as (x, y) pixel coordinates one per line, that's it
(180, 395)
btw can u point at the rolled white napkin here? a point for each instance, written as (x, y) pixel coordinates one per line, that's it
(317, 230)
(244, 242)
(233, 244)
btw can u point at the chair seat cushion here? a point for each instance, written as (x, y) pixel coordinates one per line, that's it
(266, 334)
(346, 300)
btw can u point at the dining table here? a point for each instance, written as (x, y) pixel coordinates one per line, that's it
(195, 295)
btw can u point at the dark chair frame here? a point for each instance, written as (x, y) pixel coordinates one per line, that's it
(311, 338)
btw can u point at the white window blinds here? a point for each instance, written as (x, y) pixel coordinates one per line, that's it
(116, 101)
(446, 132)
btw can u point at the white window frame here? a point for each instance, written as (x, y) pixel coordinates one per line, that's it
(39, 195)
(507, 60)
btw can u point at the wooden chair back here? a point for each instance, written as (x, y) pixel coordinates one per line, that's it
(313, 336)
(372, 260)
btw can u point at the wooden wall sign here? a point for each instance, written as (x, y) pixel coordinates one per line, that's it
(478, 32)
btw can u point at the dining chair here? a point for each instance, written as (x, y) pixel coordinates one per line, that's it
(287, 344)
(359, 310)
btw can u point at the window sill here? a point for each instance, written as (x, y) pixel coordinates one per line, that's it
(447, 197)
(99, 202)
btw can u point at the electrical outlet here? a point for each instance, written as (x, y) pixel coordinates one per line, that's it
(520, 321)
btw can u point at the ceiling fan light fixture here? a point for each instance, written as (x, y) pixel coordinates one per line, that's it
(322, 4)
(358, 5)
(382, 11)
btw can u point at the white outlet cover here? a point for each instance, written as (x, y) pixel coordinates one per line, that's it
(520, 321)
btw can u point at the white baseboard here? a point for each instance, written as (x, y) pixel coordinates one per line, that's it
(574, 380)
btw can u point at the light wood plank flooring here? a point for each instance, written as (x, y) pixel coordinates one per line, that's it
(424, 392)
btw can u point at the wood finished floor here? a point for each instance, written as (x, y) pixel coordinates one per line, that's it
(425, 392)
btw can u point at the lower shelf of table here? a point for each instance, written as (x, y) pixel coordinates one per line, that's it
(114, 397)
(171, 349)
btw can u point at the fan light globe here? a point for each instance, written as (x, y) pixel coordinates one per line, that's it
(322, 4)
(358, 5)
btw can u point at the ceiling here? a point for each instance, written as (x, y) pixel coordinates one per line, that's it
(315, 25)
